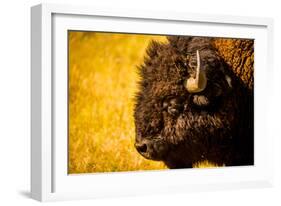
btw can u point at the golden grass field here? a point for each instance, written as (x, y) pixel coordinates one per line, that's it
(102, 83)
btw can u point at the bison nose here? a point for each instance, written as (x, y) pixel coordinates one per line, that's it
(141, 147)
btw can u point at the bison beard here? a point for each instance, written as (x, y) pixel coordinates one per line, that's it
(181, 126)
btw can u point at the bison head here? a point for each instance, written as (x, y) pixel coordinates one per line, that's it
(185, 106)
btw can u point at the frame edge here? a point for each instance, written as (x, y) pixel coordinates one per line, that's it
(38, 148)
(36, 123)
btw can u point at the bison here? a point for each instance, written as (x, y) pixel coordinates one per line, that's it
(194, 103)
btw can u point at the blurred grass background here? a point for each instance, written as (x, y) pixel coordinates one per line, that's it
(102, 84)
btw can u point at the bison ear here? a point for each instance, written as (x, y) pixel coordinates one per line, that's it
(228, 80)
(227, 75)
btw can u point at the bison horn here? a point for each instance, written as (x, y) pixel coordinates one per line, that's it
(197, 84)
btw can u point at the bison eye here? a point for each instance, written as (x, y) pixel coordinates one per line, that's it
(172, 106)
(173, 111)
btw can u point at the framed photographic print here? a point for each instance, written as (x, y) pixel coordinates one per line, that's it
(137, 102)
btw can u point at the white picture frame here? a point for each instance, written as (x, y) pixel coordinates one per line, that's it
(49, 178)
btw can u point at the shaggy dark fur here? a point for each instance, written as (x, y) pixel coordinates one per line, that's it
(180, 128)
